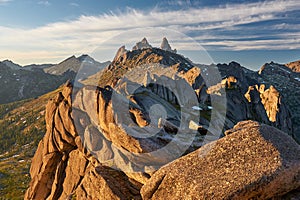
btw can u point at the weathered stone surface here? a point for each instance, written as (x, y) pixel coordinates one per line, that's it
(106, 183)
(73, 173)
(254, 161)
(63, 168)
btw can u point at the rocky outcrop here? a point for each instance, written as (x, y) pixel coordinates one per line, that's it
(62, 168)
(78, 160)
(121, 51)
(251, 162)
(94, 137)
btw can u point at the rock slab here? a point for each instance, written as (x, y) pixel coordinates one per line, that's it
(254, 161)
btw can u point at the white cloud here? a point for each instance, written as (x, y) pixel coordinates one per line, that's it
(45, 3)
(267, 44)
(54, 41)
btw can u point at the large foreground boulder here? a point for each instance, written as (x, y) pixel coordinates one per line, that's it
(254, 161)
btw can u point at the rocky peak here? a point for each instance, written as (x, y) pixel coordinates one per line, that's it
(234, 69)
(86, 58)
(142, 45)
(275, 68)
(121, 52)
(11, 65)
(125, 60)
(70, 64)
(166, 46)
(73, 57)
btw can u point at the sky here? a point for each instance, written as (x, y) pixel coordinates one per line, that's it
(250, 32)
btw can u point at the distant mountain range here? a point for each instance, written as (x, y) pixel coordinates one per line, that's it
(31, 81)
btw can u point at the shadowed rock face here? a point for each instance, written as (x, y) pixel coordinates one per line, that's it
(247, 100)
(270, 101)
(287, 83)
(251, 162)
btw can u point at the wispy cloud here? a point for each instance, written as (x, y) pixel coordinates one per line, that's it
(2, 2)
(74, 4)
(231, 27)
(45, 3)
(267, 44)
(179, 3)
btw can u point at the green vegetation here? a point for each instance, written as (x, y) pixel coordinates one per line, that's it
(22, 126)
(14, 173)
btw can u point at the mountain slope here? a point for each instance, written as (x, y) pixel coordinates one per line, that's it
(19, 83)
(22, 125)
(82, 67)
(31, 81)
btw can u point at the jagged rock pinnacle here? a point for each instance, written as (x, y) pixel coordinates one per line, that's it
(121, 51)
(166, 46)
(142, 45)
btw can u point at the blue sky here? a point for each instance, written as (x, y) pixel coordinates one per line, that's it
(249, 32)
